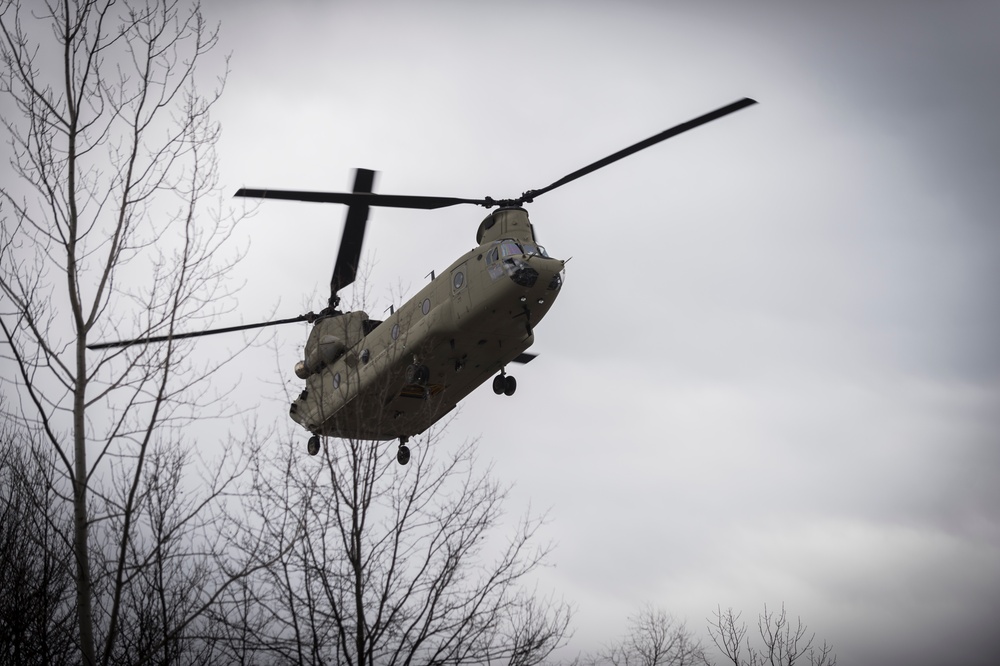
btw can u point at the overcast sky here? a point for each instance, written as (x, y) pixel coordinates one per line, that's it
(773, 373)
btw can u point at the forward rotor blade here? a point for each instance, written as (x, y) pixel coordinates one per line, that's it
(651, 141)
(357, 198)
(432, 203)
(197, 334)
(346, 268)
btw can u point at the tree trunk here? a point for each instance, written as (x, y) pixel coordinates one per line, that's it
(81, 526)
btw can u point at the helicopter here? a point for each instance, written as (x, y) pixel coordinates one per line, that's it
(394, 378)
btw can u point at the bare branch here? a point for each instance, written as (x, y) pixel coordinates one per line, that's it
(781, 644)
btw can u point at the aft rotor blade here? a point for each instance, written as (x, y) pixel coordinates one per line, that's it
(362, 199)
(198, 334)
(651, 141)
(346, 268)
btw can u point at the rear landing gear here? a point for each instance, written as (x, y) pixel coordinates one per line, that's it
(504, 384)
(403, 453)
(313, 445)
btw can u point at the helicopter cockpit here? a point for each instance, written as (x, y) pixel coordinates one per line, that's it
(514, 258)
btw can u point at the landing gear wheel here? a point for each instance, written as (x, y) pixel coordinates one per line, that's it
(499, 384)
(403, 454)
(313, 445)
(509, 385)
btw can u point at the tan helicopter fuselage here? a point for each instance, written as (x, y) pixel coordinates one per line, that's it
(380, 380)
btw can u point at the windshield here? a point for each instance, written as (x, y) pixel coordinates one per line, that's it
(531, 248)
(509, 248)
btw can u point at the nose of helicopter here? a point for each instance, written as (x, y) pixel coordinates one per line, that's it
(540, 274)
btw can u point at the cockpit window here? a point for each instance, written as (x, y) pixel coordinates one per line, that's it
(509, 248)
(531, 248)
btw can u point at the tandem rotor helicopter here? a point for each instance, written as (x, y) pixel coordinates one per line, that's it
(391, 379)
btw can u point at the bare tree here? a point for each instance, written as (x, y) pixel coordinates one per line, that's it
(782, 643)
(653, 638)
(111, 226)
(36, 601)
(395, 565)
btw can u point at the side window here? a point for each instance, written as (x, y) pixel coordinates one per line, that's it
(458, 279)
(493, 266)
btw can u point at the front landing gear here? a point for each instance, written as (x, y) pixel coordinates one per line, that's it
(504, 384)
(403, 453)
(313, 445)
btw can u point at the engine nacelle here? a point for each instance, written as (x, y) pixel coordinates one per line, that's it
(328, 349)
